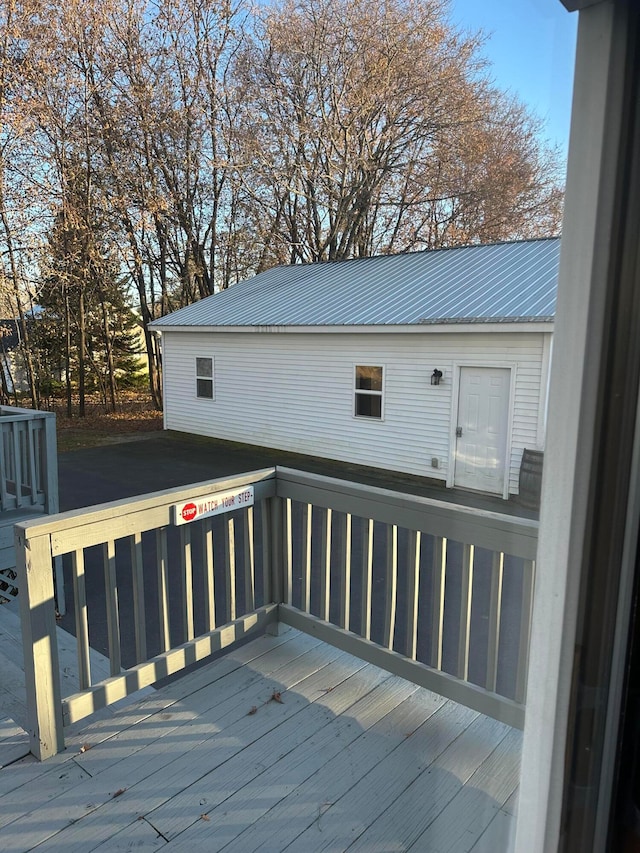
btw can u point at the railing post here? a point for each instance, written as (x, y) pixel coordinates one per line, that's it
(41, 669)
(50, 473)
(51, 497)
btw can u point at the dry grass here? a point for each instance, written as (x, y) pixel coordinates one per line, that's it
(135, 414)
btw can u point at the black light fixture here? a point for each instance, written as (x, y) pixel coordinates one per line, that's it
(436, 376)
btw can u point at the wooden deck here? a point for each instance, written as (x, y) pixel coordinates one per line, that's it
(285, 743)
(13, 700)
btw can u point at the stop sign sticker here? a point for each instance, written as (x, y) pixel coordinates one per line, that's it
(205, 506)
(189, 511)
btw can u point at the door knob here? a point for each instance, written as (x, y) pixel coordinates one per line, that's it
(458, 432)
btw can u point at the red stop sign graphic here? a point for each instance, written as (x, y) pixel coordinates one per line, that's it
(189, 511)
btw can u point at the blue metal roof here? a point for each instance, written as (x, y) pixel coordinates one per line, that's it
(496, 283)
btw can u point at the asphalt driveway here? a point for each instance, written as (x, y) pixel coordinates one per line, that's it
(150, 463)
(168, 460)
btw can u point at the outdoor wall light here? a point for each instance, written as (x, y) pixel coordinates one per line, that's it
(436, 376)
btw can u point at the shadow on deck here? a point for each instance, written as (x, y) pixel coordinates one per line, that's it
(390, 722)
(285, 743)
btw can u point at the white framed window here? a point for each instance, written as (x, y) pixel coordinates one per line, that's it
(368, 391)
(204, 378)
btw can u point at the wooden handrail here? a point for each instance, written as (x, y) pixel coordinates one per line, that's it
(375, 581)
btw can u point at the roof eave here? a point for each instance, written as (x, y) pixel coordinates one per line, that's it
(481, 326)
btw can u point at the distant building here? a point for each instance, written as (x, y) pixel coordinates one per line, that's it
(14, 371)
(430, 363)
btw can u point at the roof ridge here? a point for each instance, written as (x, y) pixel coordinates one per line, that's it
(416, 252)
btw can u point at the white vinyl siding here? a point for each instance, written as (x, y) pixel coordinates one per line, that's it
(296, 392)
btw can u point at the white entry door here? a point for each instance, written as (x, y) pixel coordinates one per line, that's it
(482, 428)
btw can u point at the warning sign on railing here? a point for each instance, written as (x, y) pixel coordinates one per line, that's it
(208, 505)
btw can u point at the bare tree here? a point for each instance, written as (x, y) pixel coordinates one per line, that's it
(210, 139)
(15, 207)
(161, 112)
(374, 129)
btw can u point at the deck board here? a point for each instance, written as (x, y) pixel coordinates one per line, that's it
(402, 775)
(475, 805)
(499, 835)
(288, 772)
(295, 723)
(209, 740)
(350, 756)
(14, 744)
(279, 805)
(165, 766)
(446, 800)
(13, 700)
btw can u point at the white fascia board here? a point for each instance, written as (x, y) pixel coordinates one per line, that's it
(414, 329)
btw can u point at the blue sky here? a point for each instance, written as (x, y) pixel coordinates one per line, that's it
(531, 47)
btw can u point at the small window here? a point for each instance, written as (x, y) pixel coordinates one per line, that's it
(368, 392)
(204, 378)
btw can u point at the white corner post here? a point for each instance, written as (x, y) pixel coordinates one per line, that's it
(41, 668)
(584, 346)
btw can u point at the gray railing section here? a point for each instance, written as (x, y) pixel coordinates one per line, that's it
(28, 460)
(400, 554)
(366, 569)
(28, 481)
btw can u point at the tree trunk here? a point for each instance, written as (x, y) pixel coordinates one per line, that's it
(109, 351)
(82, 343)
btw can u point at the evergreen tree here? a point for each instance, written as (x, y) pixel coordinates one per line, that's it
(86, 330)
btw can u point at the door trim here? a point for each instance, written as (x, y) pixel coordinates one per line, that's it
(455, 402)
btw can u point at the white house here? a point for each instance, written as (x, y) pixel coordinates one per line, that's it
(430, 363)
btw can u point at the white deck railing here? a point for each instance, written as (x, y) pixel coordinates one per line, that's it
(437, 593)
(28, 460)
(28, 479)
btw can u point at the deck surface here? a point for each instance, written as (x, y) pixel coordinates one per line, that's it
(286, 743)
(13, 700)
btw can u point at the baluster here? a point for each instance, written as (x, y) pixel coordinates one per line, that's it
(209, 575)
(249, 562)
(307, 513)
(17, 462)
(495, 618)
(325, 563)
(40, 453)
(4, 467)
(187, 582)
(287, 552)
(367, 572)
(267, 546)
(111, 598)
(275, 531)
(391, 585)
(82, 621)
(437, 607)
(137, 577)
(528, 574)
(413, 585)
(31, 462)
(162, 564)
(466, 594)
(344, 563)
(230, 561)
